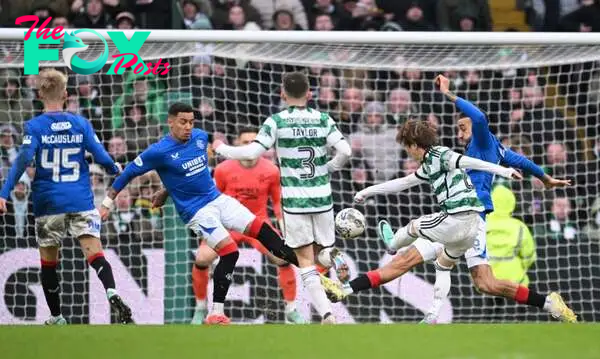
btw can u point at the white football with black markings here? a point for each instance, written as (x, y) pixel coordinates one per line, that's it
(349, 223)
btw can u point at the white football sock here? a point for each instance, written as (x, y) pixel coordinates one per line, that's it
(290, 306)
(201, 304)
(312, 282)
(403, 238)
(347, 289)
(441, 288)
(218, 308)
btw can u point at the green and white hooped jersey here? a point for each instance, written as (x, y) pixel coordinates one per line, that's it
(301, 137)
(453, 188)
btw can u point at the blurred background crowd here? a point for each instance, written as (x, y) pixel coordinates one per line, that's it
(549, 114)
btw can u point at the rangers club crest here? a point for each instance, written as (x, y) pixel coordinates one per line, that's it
(200, 144)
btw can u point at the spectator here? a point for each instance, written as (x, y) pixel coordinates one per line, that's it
(94, 16)
(139, 131)
(222, 12)
(376, 142)
(193, 17)
(117, 149)
(558, 226)
(414, 19)
(399, 106)
(592, 228)
(510, 246)
(125, 21)
(89, 104)
(268, 8)
(121, 225)
(143, 90)
(350, 115)
(365, 15)
(328, 8)
(14, 109)
(237, 20)
(464, 15)
(323, 22)
(545, 15)
(541, 123)
(327, 100)
(61, 21)
(584, 19)
(283, 20)
(8, 147)
(19, 222)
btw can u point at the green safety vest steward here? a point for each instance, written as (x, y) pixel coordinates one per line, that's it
(510, 246)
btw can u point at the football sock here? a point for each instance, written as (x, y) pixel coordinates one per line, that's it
(199, 282)
(269, 238)
(223, 271)
(287, 282)
(103, 270)
(441, 288)
(526, 296)
(51, 286)
(403, 238)
(371, 279)
(312, 283)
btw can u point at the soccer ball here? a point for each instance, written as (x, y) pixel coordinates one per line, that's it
(349, 223)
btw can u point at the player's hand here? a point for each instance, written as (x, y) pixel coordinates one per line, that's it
(2, 206)
(159, 198)
(442, 83)
(216, 143)
(516, 175)
(359, 197)
(104, 212)
(550, 182)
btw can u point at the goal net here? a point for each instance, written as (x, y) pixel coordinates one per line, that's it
(541, 100)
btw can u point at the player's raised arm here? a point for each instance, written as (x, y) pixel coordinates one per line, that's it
(393, 186)
(516, 160)
(142, 164)
(94, 146)
(343, 151)
(479, 126)
(452, 160)
(264, 140)
(25, 156)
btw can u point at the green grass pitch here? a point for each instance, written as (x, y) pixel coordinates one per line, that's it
(398, 341)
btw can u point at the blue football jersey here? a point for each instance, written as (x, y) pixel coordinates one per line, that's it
(183, 170)
(57, 142)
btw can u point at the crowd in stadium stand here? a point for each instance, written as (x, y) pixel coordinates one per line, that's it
(129, 111)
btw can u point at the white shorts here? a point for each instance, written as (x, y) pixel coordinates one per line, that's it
(304, 229)
(224, 213)
(52, 229)
(474, 256)
(457, 232)
(477, 255)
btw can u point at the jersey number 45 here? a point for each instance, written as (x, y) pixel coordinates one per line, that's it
(60, 161)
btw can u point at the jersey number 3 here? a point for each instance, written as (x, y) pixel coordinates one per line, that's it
(308, 163)
(60, 161)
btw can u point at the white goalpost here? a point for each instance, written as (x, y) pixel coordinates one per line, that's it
(539, 90)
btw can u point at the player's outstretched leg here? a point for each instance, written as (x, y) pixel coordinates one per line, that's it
(92, 248)
(401, 264)
(269, 238)
(205, 256)
(228, 253)
(394, 241)
(487, 283)
(51, 285)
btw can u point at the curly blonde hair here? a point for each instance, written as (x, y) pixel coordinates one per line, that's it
(52, 85)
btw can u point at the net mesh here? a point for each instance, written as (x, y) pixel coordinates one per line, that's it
(541, 101)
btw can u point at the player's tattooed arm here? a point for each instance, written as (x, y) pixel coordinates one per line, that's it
(443, 84)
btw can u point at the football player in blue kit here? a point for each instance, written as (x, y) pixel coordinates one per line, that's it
(63, 202)
(181, 160)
